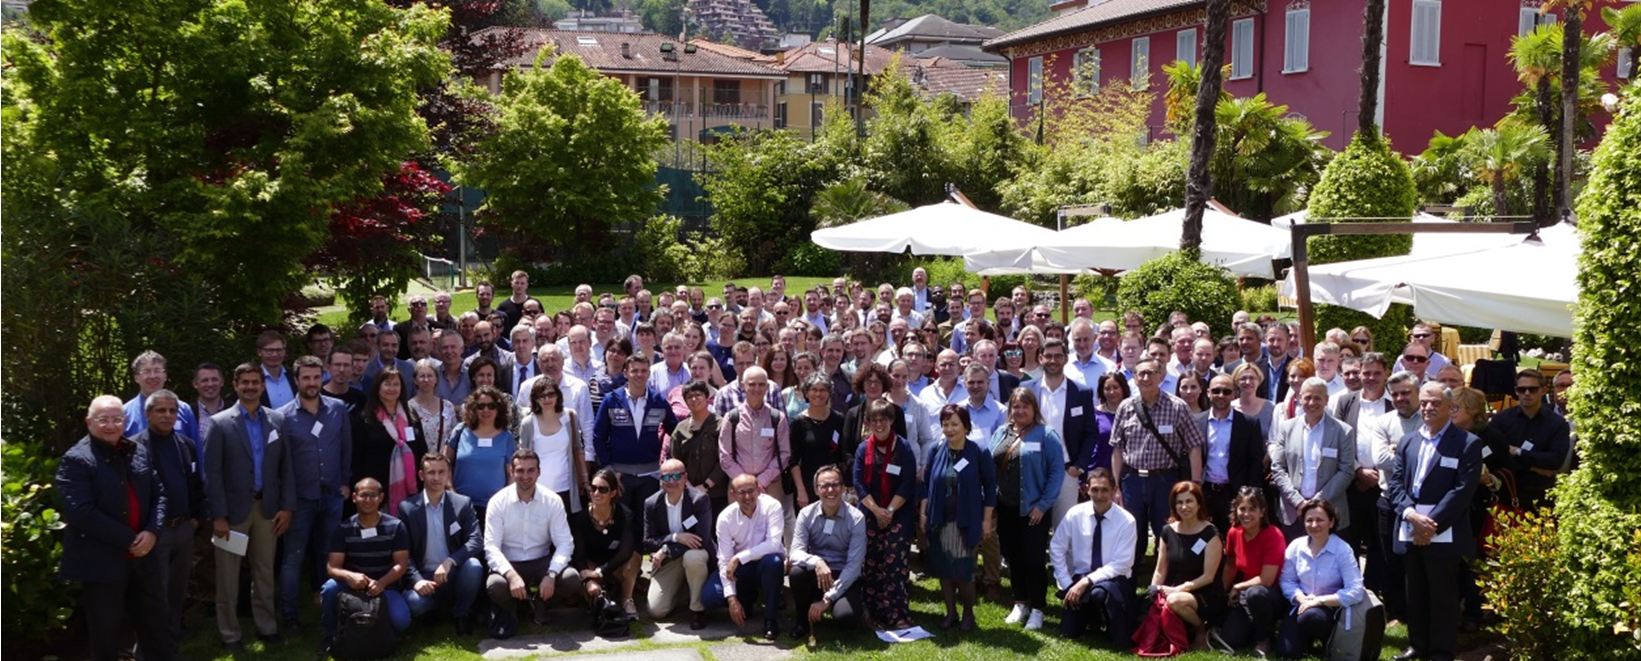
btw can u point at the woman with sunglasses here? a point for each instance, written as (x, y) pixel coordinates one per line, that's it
(386, 442)
(1014, 359)
(553, 432)
(1363, 337)
(482, 449)
(606, 536)
(885, 472)
(959, 503)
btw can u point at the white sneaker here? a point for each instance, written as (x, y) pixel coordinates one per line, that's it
(1035, 622)
(1017, 615)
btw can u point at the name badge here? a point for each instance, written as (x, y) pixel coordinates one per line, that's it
(410, 433)
(977, 435)
(653, 416)
(767, 432)
(689, 522)
(961, 464)
(1527, 447)
(1486, 452)
(908, 419)
(367, 533)
(826, 528)
(834, 438)
(455, 527)
(1031, 447)
(1331, 453)
(1450, 462)
(272, 436)
(317, 427)
(894, 469)
(1166, 429)
(620, 416)
(1076, 411)
(486, 442)
(178, 425)
(1196, 549)
(614, 544)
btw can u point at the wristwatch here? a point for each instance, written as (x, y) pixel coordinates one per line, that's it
(891, 510)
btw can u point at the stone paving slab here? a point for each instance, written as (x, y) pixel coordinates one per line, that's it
(762, 651)
(576, 638)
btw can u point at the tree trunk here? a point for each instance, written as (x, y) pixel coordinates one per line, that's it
(1571, 40)
(1367, 99)
(1635, 62)
(1543, 214)
(1199, 184)
(1501, 197)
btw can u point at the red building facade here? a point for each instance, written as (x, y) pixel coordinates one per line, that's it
(1445, 64)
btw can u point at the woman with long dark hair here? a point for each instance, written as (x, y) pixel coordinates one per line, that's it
(1028, 456)
(386, 445)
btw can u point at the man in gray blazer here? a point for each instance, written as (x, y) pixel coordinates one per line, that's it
(1312, 455)
(249, 489)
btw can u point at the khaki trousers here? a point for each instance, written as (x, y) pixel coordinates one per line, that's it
(260, 553)
(668, 583)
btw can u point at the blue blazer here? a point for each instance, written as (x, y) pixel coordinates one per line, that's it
(230, 479)
(976, 489)
(1448, 488)
(903, 485)
(1041, 471)
(461, 542)
(616, 437)
(91, 486)
(1082, 430)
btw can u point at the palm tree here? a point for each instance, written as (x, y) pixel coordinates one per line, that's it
(1179, 101)
(1536, 57)
(1373, 36)
(1572, 33)
(1264, 160)
(1199, 184)
(1625, 26)
(1499, 154)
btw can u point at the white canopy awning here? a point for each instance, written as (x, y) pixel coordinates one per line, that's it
(947, 228)
(1243, 246)
(1526, 285)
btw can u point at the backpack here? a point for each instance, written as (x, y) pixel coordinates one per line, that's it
(362, 627)
(1359, 633)
(1162, 633)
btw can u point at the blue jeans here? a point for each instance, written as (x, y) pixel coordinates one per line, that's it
(761, 579)
(1146, 497)
(464, 583)
(398, 612)
(312, 523)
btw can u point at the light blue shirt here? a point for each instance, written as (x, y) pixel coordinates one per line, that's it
(436, 551)
(253, 430)
(1217, 468)
(984, 421)
(1333, 571)
(279, 390)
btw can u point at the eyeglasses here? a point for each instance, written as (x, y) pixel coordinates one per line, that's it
(272, 349)
(1014, 353)
(547, 395)
(1360, 340)
(1414, 359)
(599, 489)
(1221, 391)
(418, 304)
(109, 420)
(485, 406)
(826, 486)
(671, 477)
(714, 307)
(1526, 390)
(368, 495)
(152, 371)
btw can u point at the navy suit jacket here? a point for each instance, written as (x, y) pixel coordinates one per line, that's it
(1449, 488)
(230, 478)
(175, 507)
(1082, 430)
(1006, 383)
(91, 486)
(697, 505)
(462, 541)
(1246, 466)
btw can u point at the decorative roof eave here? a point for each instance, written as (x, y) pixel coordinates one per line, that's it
(1107, 31)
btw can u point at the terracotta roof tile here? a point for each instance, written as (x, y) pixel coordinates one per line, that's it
(603, 51)
(1094, 15)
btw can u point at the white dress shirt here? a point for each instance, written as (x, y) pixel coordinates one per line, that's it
(516, 529)
(748, 538)
(1071, 549)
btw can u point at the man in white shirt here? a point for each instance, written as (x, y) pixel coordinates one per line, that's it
(1086, 365)
(945, 388)
(1092, 552)
(1326, 357)
(751, 560)
(1384, 573)
(678, 536)
(526, 542)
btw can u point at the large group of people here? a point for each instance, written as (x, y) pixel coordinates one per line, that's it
(825, 446)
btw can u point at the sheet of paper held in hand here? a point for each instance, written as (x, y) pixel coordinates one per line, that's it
(236, 542)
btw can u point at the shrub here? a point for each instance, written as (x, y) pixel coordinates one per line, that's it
(1098, 289)
(37, 604)
(1367, 180)
(663, 255)
(1174, 282)
(806, 258)
(1525, 584)
(712, 258)
(1260, 299)
(1389, 331)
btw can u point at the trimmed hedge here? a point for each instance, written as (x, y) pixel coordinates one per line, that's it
(1174, 282)
(1367, 180)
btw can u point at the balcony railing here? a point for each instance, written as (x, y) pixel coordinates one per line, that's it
(724, 110)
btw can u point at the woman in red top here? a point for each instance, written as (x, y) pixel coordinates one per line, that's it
(1255, 551)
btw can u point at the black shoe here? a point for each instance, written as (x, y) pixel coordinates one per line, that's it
(274, 638)
(503, 627)
(324, 647)
(464, 626)
(697, 620)
(1408, 654)
(800, 630)
(233, 646)
(772, 630)
(538, 613)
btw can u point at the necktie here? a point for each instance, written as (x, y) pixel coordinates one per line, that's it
(1098, 555)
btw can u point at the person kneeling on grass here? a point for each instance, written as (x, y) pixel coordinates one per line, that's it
(828, 552)
(750, 556)
(1093, 556)
(369, 553)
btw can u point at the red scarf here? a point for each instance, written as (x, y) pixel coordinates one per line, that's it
(877, 473)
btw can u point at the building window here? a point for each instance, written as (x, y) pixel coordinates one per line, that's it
(726, 91)
(1624, 63)
(1034, 80)
(1086, 71)
(780, 115)
(655, 89)
(1185, 46)
(1529, 19)
(817, 83)
(1296, 48)
(1426, 33)
(1242, 49)
(1139, 74)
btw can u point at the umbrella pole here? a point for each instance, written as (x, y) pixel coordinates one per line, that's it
(1065, 302)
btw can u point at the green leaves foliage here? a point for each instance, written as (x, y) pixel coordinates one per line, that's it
(1176, 282)
(37, 605)
(762, 186)
(1525, 584)
(1366, 180)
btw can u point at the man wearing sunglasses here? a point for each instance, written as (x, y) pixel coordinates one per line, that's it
(678, 536)
(1235, 454)
(1416, 359)
(1424, 336)
(1539, 439)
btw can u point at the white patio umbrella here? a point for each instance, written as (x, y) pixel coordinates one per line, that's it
(947, 228)
(1243, 246)
(1023, 259)
(1528, 285)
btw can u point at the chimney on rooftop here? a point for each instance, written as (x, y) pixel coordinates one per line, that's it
(626, 50)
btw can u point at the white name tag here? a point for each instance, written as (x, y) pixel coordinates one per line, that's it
(908, 419)
(1450, 462)
(455, 527)
(1196, 549)
(961, 464)
(178, 426)
(1486, 452)
(317, 427)
(1527, 447)
(410, 433)
(767, 432)
(367, 533)
(834, 438)
(1331, 453)
(894, 469)
(486, 442)
(1166, 429)
(826, 528)
(1031, 447)
(689, 522)
(1076, 411)
(272, 436)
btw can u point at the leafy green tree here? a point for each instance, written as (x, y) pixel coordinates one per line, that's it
(1536, 56)
(572, 154)
(1265, 161)
(902, 153)
(1498, 156)
(1366, 181)
(984, 149)
(1178, 281)
(1625, 27)
(1438, 174)
(761, 186)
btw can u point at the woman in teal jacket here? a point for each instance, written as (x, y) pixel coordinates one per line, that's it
(959, 499)
(1030, 465)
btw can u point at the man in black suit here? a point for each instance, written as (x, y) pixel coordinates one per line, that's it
(1275, 362)
(1068, 409)
(177, 469)
(446, 547)
(250, 488)
(1437, 470)
(678, 535)
(107, 545)
(1002, 383)
(1235, 454)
